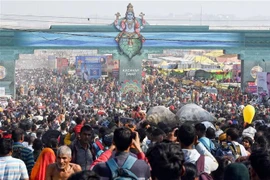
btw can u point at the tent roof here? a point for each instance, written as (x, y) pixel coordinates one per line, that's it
(229, 55)
(215, 53)
(154, 59)
(171, 58)
(204, 60)
(163, 63)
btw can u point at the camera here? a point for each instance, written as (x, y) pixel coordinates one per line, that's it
(133, 135)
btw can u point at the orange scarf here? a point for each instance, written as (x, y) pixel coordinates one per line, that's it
(45, 158)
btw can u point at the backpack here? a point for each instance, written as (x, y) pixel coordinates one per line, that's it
(211, 147)
(200, 168)
(230, 151)
(98, 147)
(235, 150)
(122, 173)
(216, 145)
(17, 152)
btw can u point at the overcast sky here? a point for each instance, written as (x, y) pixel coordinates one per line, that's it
(89, 7)
(98, 9)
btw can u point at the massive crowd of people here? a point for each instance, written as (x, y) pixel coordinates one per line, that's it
(62, 127)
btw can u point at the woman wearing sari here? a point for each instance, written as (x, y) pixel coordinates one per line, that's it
(46, 157)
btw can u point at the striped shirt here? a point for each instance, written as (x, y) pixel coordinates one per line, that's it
(12, 168)
(25, 154)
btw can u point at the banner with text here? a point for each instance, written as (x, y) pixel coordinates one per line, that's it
(89, 67)
(263, 83)
(130, 74)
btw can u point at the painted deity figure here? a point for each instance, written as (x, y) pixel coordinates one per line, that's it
(129, 26)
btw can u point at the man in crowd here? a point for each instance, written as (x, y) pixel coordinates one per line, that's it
(82, 150)
(201, 133)
(62, 169)
(20, 151)
(188, 138)
(237, 149)
(166, 160)
(123, 139)
(11, 168)
(83, 98)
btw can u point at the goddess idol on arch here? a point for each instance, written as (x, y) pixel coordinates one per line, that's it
(129, 39)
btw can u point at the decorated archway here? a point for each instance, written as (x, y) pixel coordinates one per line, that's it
(130, 40)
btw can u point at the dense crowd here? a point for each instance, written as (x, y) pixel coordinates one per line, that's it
(63, 127)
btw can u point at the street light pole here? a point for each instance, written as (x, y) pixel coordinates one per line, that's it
(264, 65)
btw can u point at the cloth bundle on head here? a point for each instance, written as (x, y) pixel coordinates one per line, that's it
(171, 107)
(208, 124)
(249, 132)
(236, 171)
(221, 119)
(193, 113)
(158, 114)
(222, 137)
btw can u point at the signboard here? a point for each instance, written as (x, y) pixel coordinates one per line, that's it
(251, 87)
(89, 67)
(263, 83)
(130, 74)
(115, 73)
(62, 64)
(113, 68)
